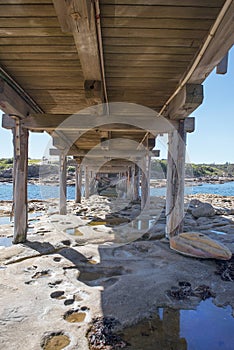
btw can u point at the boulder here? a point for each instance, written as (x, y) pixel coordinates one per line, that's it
(204, 209)
(197, 245)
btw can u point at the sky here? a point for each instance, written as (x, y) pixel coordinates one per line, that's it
(211, 142)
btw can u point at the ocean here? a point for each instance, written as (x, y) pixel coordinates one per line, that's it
(47, 191)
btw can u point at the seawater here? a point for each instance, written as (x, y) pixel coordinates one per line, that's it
(48, 191)
(207, 328)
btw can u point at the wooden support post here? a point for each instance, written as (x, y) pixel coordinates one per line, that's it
(86, 183)
(175, 181)
(78, 183)
(20, 142)
(145, 183)
(132, 181)
(62, 184)
(129, 192)
(136, 183)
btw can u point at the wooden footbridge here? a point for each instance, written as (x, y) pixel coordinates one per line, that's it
(81, 58)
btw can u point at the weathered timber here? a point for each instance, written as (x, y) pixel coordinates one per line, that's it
(136, 183)
(17, 10)
(11, 102)
(62, 142)
(153, 33)
(175, 181)
(85, 122)
(184, 3)
(185, 102)
(62, 184)
(169, 23)
(78, 183)
(111, 153)
(79, 18)
(222, 67)
(93, 91)
(149, 50)
(145, 182)
(20, 143)
(87, 179)
(221, 42)
(159, 11)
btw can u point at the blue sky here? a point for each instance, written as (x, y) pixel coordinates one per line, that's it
(212, 141)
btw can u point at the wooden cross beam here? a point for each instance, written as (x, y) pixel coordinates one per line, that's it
(78, 17)
(98, 153)
(62, 143)
(185, 102)
(11, 102)
(222, 67)
(61, 122)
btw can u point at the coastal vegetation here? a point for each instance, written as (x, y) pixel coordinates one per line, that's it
(159, 169)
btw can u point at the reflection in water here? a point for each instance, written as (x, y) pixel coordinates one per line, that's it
(156, 333)
(143, 224)
(5, 241)
(207, 327)
(73, 231)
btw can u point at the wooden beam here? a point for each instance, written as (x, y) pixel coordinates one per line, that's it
(93, 92)
(20, 142)
(54, 152)
(185, 102)
(221, 42)
(61, 12)
(175, 181)
(63, 143)
(11, 102)
(108, 169)
(78, 17)
(222, 67)
(155, 153)
(111, 153)
(123, 123)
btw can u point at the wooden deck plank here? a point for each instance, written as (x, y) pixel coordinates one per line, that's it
(31, 32)
(149, 50)
(159, 23)
(39, 49)
(123, 58)
(137, 71)
(27, 10)
(24, 2)
(31, 64)
(42, 56)
(136, 63)
(48, 83)
(162, 42)
(35, 40)
(198, 3)
(158, 11)
(32, 22)
(153, 33)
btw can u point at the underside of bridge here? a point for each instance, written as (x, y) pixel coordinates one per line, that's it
(104, 78)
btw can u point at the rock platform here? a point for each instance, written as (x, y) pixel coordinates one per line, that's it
(80, 266)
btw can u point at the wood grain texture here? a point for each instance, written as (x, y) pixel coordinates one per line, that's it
(184, 3)
(159, 23)
(158, 11)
